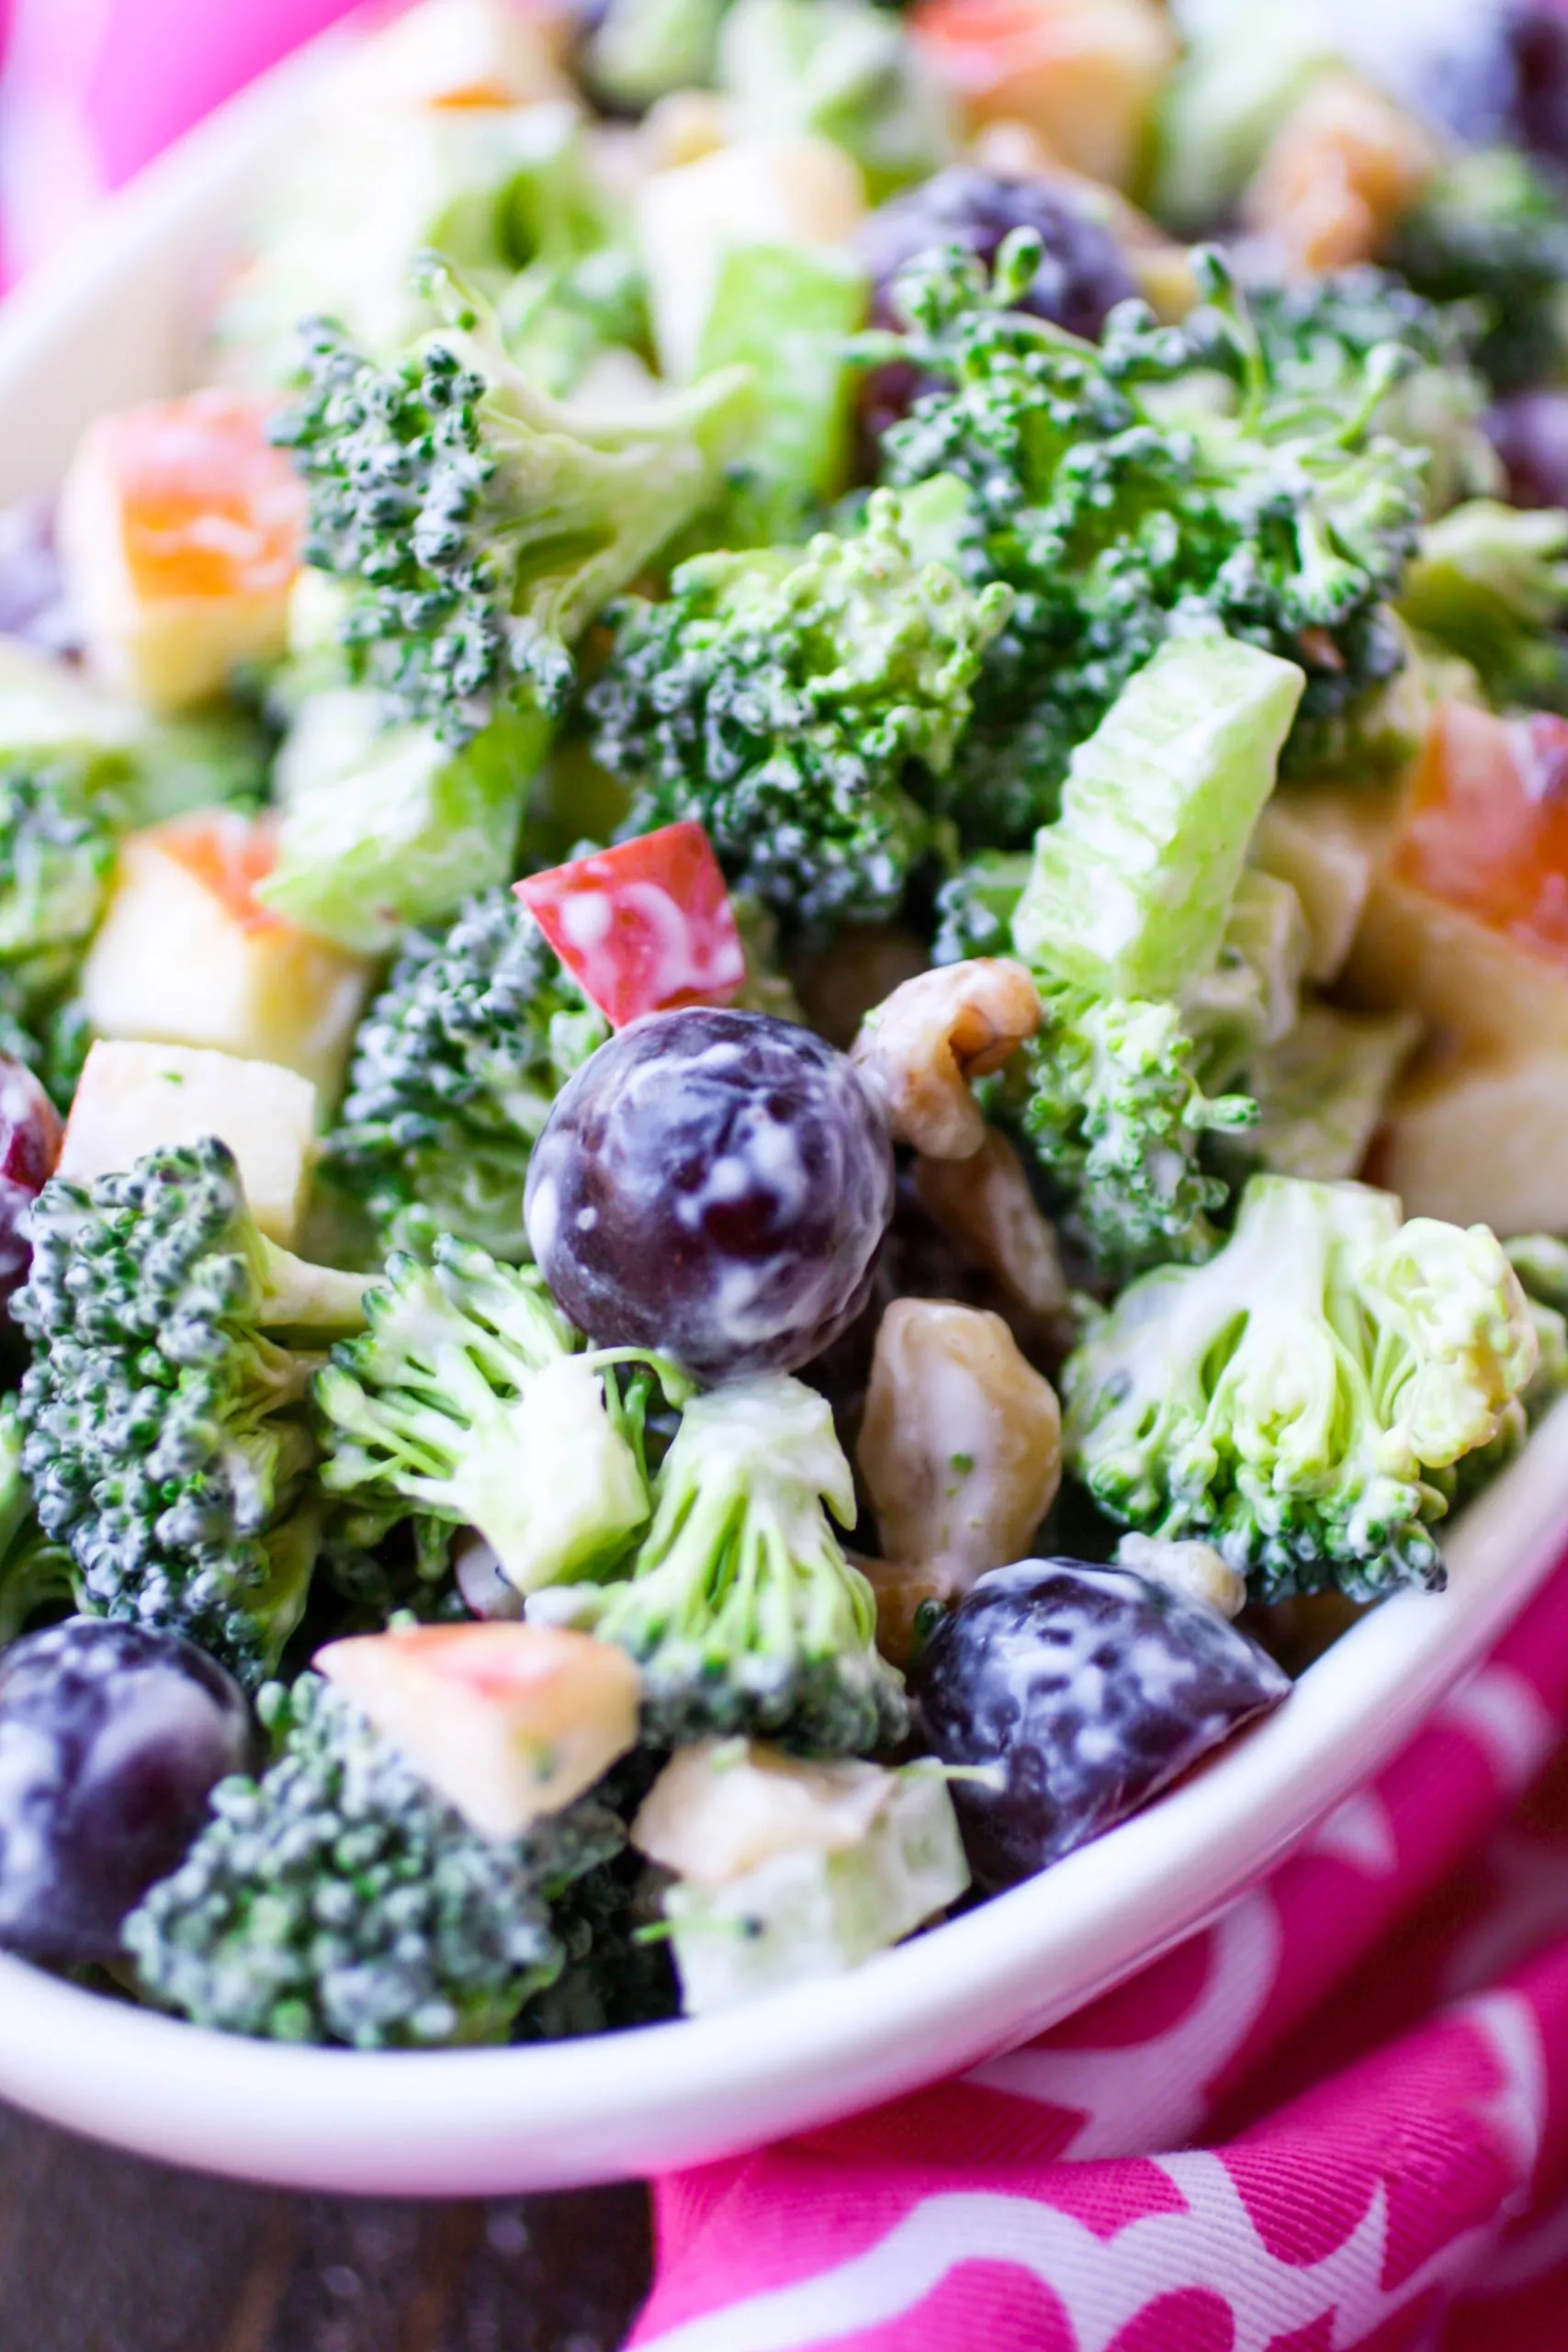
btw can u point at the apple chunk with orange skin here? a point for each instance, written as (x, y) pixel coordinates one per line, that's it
(187, 956)
(1466, 920)
(507, 1721)
(180, 530)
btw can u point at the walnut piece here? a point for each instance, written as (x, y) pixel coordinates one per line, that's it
(961, 1445)
(985, 1204)
(1341, 171)
(1193, 1569)
(921, 1048)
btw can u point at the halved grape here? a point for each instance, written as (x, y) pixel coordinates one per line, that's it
(110, 1738)
(1084, 1690)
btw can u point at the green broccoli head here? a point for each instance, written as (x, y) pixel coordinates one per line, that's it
(165, 1431)
(339, 1899)
(57, 852)
(38, 1577)
(1124, 489)
(741, 1609)
(468, 1399)
(1490, 584)
(1318, 335)
(1492, 231)
(1107, 1094)
(455, 1066)
(1302, 1400)
(482, 526)
(784, 698)
(976, 905)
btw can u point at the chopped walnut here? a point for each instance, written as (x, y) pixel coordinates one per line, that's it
(985, 1204)
(1341, 171)
(960, 1446)
(902, 1591)
(921, 1049)
(1194, 1568)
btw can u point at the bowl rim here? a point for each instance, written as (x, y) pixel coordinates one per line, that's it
(554, 2115)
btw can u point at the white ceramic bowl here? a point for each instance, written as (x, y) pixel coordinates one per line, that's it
(111, 323)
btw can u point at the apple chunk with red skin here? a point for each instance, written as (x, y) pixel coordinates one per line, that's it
(505, 1722)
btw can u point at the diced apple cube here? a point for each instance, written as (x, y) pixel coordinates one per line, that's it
(788, 1871)
(507, 1721)
(1083, 73)
(1482, 1141)
(1414, 950)
(186, 955)
(180, 527)
(758, 192)
(1328, 845)
(719, 1808)
(136, 1098)
(1467, 920)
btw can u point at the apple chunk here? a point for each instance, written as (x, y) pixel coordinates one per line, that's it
(1466, 921)
(180, 528)
(507, 1721)
(186, 955)
(136, 1098)
(1482, 1141)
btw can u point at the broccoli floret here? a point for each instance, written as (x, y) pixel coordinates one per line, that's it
(36, 1576)
(1157, 480)
(975, 906)
(1491, 231)
(468, 1398)
(1318, 334)
(338, 1899)
(1108, 1096)
(1490, 584)
(741, 1609)
(1150, 952)
(1300, 1400)
(483, 526)
(165, 1428)
(784, 697)
(57, 852)
(455, 1067)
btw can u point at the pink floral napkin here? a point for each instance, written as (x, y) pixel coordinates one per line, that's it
(1336, 2119)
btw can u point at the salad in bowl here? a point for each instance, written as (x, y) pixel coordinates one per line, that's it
(784, 990)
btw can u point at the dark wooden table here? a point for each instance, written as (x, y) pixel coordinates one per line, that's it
(102, 2253)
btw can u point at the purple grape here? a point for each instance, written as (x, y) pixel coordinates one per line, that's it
(1530, 433)
(1536, 39)
(714, 1184)
(1083, 272)
(29, 1147)
(32, 593)
(1090, 1687)
(110, 1738)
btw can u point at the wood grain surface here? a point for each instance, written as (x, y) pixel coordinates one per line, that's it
(104, 2253)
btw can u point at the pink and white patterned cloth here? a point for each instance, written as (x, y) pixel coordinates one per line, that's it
(1336, 2119)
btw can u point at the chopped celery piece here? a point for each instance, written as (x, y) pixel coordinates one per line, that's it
(788, 310)
(382, 829)
(1252, 997)
(808, 1913)
(1131, 887)
(1321, 1089)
